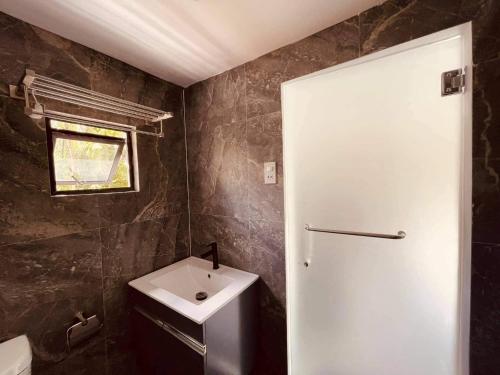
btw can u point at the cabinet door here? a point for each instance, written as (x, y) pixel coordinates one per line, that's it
(160, 353)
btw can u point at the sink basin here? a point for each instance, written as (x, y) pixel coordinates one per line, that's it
(188, 280)
(176, 286)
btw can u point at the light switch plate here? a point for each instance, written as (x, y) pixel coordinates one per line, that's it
(270, 172)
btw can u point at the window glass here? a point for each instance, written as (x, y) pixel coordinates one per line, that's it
(87, 158)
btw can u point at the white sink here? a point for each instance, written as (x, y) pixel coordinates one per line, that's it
(175, 286)
(189, 279)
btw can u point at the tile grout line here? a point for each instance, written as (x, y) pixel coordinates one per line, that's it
(87, 230)
(187, 168)
(240, 218)
(247, 182)
(106, 356)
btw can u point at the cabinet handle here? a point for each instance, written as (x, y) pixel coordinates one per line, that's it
(194, 344)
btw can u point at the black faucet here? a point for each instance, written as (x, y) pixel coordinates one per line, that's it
(213, 252)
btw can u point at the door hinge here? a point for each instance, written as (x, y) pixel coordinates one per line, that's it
(452, 82)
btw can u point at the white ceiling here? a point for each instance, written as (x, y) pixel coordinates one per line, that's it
(184, 41)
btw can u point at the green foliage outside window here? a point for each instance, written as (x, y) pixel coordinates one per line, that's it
(84, 164)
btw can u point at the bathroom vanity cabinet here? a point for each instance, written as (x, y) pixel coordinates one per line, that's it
(167, 342)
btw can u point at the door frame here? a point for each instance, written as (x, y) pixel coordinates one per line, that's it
(463, 31)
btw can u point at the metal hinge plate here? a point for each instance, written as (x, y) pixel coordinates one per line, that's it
(452, 82)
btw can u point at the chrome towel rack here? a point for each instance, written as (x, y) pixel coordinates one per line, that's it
(38, 85)
(401, 234)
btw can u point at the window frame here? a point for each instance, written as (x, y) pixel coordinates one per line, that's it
(70, 134)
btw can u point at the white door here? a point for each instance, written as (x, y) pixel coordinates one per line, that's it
(372, 146)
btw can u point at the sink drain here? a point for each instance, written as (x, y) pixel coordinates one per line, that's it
(200, 296)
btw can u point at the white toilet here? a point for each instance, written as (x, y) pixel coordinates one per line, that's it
(15, 356)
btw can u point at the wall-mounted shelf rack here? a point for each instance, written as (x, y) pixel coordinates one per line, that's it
(35, 85)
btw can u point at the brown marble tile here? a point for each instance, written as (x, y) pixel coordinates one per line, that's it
(115, 302)
(182, 236)
(46, 325)
(4, 313)
(230, 233)
(42, 286)
(27, 210)
(334, 45)
(264, 78)
(485, 312)
(4, 89)
(89, 359)
(120, 355)
(264, 75)
(486, 29)
(162, 174)
(139, 248)
(163, 190)
(218, 99)
(49, 270)
(265, 144)
(399, 21)
(106, 76)
(267, 247)
(172, 152)
(175, 236)
(486, 200)
(217, 156)
(464, 8)
(217, 146)
(486, 110)
(26, 46)
(118, 79)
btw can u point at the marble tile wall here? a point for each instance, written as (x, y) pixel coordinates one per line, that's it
(234, 125)
(60, 255)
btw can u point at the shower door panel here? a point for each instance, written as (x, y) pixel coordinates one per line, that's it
(374, 147)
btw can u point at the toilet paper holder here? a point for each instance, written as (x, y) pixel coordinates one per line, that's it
(85, 328)
(79, 315)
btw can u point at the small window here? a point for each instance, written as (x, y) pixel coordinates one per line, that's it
(88, 159)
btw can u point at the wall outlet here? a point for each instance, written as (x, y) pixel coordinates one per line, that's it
(270, 172)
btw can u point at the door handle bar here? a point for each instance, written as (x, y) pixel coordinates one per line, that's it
(401, 234)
